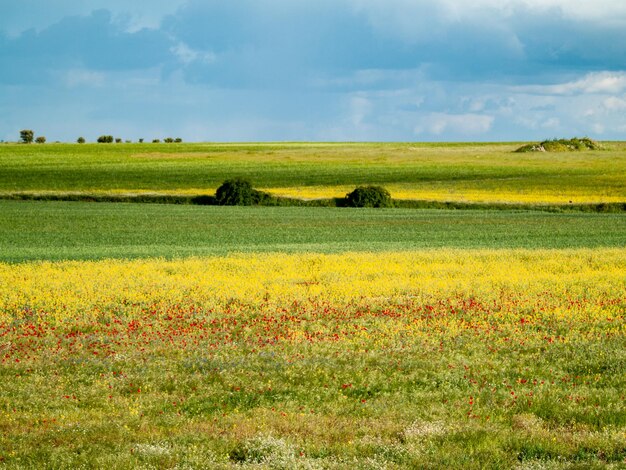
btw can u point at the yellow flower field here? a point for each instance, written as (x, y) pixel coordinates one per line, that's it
(60, 290)
(417, 359)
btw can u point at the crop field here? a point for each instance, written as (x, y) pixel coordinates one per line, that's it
(440, 172)
(182, 336)
(46, 230)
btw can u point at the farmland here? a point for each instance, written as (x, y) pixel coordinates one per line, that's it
(179, 336)
(441, 172)
(46, 230)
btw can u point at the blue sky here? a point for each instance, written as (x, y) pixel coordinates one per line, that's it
(329, 70)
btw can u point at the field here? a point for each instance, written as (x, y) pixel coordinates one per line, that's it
(38, 230)
(441, 172)
(176, 336)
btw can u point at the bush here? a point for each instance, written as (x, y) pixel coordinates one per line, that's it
(27, 136)
(80, 140)
(178, 140)
(141, 141)
(561, 145)
(156, 141)
(105, 139)
(118, 140)
(40, 140)
(239, 192)
(369, 196)
(168, 140)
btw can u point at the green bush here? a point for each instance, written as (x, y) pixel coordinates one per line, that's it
(80, 140)
(105, 139)
(40, 140)
(369, 196)
(239, 192)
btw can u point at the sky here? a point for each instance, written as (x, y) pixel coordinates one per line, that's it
(313, 70)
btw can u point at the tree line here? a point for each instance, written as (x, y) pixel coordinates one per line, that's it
(27, 136)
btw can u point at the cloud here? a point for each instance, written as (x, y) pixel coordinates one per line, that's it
(336, 69)
(94, 42)
(592, 83)
(613, 103)
(465, 124)
(23, 15)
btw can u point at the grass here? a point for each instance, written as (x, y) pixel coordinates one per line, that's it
(78, 230)
(456, 172)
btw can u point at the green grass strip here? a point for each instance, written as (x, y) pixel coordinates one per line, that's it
(31, 230)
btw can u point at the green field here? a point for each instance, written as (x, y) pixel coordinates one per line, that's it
(472, 172)
(81, 230)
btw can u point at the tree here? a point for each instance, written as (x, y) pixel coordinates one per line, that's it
(237, 192)
(27, 136)
(80, 140)
(168, 140)
(40, 140)
(369, 196)
(105, 139)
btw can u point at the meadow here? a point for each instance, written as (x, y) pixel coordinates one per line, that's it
(448, 357)
(179, 336)
(438, 172)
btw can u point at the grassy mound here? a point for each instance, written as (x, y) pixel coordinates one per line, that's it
(561, 145)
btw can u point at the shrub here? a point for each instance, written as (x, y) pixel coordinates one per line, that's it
(561, 145)
(80, 140)
(178, 140)
(118, 140)
(105, 139)
(27, 136)
(40, 140)
(141, 141)
(369, 196)
(239, 192)
(156, 141)
(168, 140)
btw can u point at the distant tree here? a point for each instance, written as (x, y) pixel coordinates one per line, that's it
(238, 192)
(105, 139)
(80, 140)
(40, 140)
(128, 141)
(178, 140)
(27, 136)
(155, 141)
(141, 141)
(369, 196)
(168, 140)
(118, 140)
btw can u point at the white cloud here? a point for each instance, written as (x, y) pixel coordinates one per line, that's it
(595, 82)
(455, 10)
(613, 103)
(188, 55)
(466, 124)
